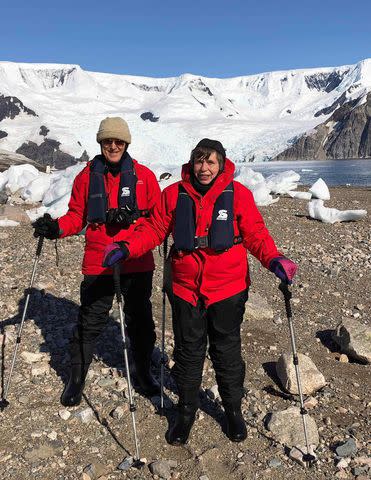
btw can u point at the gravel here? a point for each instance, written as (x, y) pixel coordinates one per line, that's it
(40, 441)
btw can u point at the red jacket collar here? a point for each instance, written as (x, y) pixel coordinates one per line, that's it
(223, 179)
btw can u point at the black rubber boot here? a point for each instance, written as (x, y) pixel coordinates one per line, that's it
(148, 386)
(236, 426)
(178, 434)
(72, 392)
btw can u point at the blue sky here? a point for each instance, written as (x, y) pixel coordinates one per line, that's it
(167, 38)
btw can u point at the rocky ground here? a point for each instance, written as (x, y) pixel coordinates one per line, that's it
(39, 439)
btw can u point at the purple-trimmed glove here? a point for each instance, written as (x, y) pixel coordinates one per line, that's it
(115, 252)
(283, 268)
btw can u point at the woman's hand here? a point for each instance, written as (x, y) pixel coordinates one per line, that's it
(283, 268)
(115, 252)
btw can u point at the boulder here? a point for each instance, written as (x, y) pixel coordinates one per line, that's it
(257, 308)
(347, 449)
(354, 339)
(85, 416)
(94, 471)
(287, 427)
(311, 378)
(161, 468)
(11, 212)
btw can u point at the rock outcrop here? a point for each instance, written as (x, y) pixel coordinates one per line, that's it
(10, 107)
(354, 339)
(48, 153)
(346, 134)
(7, 159)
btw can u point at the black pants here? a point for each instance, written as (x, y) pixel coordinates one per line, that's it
(96, 294)
(220, 324)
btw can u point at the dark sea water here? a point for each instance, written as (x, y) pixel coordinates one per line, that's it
(355, 173)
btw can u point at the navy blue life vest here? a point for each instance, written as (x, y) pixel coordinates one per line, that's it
(97, 197)
(221, 232)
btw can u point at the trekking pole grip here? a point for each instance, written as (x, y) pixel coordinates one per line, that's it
(287, 296)
(39, 245)
(116, 281)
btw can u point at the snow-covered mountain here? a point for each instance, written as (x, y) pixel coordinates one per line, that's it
(51, 112)
(346, 134)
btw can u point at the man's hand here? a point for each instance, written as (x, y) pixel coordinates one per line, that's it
(46, 227)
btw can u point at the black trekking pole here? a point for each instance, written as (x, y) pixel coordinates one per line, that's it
(116, 282)
(4, 402)
(307, 457)
(163, 361)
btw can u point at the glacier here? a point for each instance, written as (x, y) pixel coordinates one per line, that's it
(254, 116)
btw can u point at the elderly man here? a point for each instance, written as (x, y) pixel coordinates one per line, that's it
(111, 194)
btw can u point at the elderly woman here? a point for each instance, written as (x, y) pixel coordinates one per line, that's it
(213, 220)
(111, 195)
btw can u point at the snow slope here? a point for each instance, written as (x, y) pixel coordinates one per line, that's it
(255, 116)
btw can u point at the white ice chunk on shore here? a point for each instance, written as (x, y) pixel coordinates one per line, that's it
(300, 195)
(36, 189)
(8, 223)
(255, 182)
(57, 195)
(61, 184)
(262, 195)
(248, 177)
(284, 182)
(320, 190)
(17, 177)
(332, 215)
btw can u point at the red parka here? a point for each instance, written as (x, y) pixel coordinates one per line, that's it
(204, 273)
(98, 236)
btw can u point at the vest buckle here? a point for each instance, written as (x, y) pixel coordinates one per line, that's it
(201, 242)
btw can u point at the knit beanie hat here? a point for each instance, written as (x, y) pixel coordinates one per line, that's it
(213, 144)
(114, 127)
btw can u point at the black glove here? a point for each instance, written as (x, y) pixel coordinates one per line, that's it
(46, 227)
(123, 216)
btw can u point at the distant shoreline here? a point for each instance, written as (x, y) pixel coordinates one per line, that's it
(332, 187)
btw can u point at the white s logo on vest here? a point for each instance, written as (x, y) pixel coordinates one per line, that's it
(125, 192)
(222, 215)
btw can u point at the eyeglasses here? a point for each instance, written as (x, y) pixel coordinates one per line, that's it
(107, 142)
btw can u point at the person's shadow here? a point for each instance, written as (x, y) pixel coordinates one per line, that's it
(56, 318)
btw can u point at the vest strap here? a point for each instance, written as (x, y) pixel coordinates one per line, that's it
(201, 242)
(97, 197)
(221, 233)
